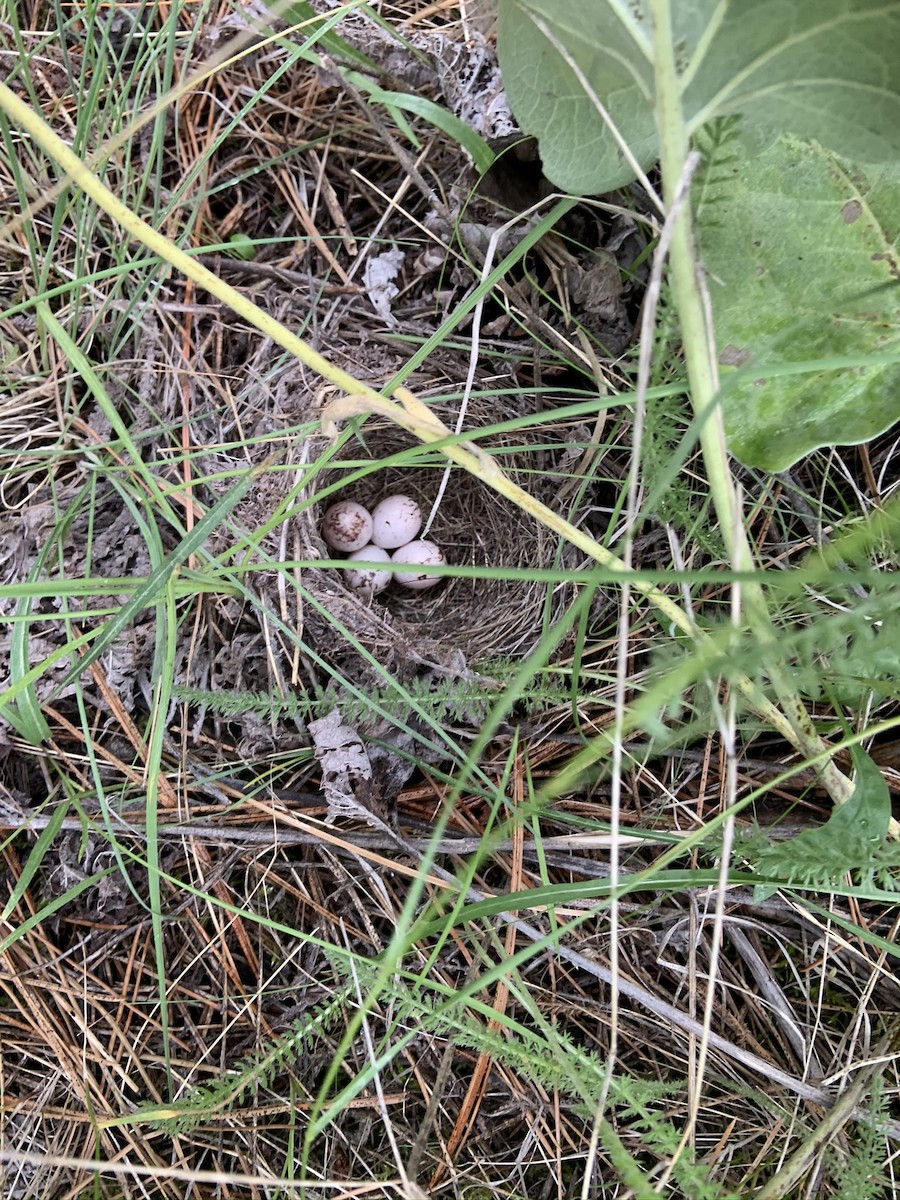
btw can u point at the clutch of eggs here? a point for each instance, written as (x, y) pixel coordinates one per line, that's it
(367, 537)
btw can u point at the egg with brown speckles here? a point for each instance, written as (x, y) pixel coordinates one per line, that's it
(347, 526)
(370, 581)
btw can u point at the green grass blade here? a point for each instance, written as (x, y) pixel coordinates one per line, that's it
(35, 858)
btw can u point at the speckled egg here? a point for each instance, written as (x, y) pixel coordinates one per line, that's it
(413, 554)
(368, 580)
(347, 526)
(395, 521)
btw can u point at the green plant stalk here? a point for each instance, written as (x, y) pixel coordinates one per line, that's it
(703, 386)
(167, 631)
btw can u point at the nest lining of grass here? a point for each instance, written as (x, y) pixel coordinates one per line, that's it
(478, 618)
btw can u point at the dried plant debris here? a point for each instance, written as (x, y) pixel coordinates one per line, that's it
(380, 273)
(346, 770)
(199, 898)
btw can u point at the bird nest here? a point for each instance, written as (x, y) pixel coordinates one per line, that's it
(462, 621)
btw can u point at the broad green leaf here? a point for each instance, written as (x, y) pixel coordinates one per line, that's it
(802, 251)
(548, 100)
(827, 70)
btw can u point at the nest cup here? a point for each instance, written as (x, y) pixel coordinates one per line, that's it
(482, 618)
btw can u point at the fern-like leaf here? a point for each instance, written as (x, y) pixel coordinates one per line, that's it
(715, 142)
(258, 1069)
(852, 840)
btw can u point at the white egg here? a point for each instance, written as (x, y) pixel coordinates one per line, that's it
(395, 521)
(347, 526)
(415, 553)
(368, 580)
